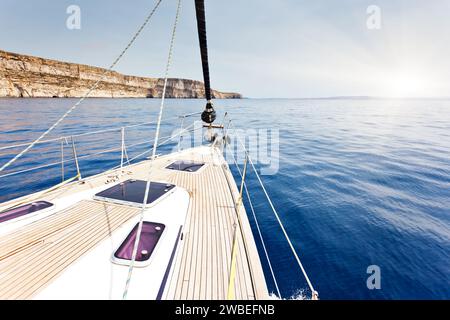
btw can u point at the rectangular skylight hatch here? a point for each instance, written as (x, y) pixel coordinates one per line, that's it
(186, 166)
(132, 192)
(150, 236)
(23, 210)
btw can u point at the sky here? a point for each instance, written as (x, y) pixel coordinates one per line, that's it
(262, 49)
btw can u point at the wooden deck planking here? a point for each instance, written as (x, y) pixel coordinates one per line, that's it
(26, 273)
(47, 264)
(241, 272)
(203, 265)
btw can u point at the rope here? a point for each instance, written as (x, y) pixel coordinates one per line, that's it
(65, 182)
(155, 145)
(231, 292)
(238, 204)
(38, 194)
(71, 159)
(162, 143)
(257, 227)
(238, 219)
(168, 138)
(87, 133)
(313, 292)
(87, 94)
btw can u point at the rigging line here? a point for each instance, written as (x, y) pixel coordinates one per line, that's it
(132, 126)
(257, 226)
(189, 115)
(162, 143)
(38, 194)
(87, 94)
(238, 222)
(314, 293)
(72, 179)
(81, 157)
(155, 145)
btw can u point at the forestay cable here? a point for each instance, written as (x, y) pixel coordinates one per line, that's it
(155, 145)
(138, 32)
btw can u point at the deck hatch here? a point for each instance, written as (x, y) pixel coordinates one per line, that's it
(132, 192)
(187, 166)
(23, 210)
(151, 233)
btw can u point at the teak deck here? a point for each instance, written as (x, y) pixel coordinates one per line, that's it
(36, 253)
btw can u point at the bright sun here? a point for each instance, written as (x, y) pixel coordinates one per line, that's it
(406, 83)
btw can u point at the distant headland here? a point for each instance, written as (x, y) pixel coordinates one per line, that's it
(34, 77)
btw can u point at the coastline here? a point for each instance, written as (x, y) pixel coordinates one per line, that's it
(24, 76)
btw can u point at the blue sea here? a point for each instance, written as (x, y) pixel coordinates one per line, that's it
(360, 182)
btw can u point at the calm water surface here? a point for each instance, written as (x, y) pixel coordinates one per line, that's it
(360, 182)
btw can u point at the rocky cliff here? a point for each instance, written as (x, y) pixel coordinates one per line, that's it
(27, 76)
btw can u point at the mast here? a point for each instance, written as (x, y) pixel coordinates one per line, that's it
(209, 114)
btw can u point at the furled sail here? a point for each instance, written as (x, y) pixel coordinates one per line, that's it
(209, 114)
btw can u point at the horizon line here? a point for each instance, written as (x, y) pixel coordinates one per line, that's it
(362, 97)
